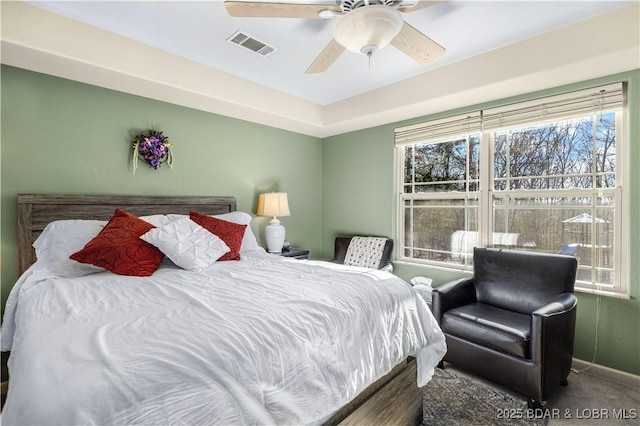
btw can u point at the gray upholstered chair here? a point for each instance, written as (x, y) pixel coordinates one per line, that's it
(342, 244)
(513, 321)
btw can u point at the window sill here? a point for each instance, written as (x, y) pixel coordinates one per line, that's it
(418, 264)
(598, 292)
(606, 293)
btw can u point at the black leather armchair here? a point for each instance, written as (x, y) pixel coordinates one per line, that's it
(342, 244)
(513, 321)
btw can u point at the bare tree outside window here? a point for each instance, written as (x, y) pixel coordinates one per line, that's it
(449, 168)
(555, 157)
(551, 185)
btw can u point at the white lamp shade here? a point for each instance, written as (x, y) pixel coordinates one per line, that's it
(368, 28)
(273, 204)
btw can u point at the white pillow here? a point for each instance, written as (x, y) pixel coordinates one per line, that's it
(156, 220)
(249, 242)
(59, 240)
(187, 244)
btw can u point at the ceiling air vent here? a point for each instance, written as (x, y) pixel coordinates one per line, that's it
(244, 40)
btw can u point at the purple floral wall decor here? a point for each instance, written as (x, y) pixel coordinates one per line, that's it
(152, 147)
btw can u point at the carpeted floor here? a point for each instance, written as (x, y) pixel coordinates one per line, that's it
(452, 399)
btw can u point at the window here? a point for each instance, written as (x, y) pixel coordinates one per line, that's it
(440, 189)
(544, 176)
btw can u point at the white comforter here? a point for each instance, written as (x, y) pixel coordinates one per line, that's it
(266, 340)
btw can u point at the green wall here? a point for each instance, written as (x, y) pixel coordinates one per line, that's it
(60, 136)
(359, 197)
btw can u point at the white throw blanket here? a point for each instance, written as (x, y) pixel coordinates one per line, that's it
(265, 340)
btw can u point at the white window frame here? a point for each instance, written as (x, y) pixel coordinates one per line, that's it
(581, 103)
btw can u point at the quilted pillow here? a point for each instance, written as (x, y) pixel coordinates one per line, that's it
(365, 251)
(187, 244)
(119, 249)
(231, 233)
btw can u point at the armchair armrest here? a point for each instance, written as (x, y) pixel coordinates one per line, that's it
(553, 329)
(387, 268)
(451, 295)
(564, 302)
(340, 249)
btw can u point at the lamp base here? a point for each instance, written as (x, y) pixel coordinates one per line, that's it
(274, 235)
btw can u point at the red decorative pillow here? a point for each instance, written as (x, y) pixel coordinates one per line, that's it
(119, 249)
(229, 232)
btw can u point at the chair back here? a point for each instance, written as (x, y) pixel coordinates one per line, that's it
(521, 281)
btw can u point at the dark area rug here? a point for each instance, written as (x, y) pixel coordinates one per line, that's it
(453, 399)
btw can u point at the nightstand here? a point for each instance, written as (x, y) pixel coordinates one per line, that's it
(295, 253)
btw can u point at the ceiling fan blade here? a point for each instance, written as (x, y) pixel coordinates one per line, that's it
(416, 45)
(421, 4)
(326, 58)
(254, 9)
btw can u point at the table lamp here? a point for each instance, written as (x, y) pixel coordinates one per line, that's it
(274, 204)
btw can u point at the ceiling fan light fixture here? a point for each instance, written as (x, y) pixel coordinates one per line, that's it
(368, 28)
(369, 49)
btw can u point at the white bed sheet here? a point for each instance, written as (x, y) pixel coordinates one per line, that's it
(266, 340)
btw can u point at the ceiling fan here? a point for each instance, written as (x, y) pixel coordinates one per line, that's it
(364, 26)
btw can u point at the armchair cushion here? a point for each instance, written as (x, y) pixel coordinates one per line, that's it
(506, 331)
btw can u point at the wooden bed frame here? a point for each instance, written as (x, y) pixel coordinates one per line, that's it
(36, 211)
(393, 399)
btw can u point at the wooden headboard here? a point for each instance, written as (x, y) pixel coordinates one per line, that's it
(35, 211)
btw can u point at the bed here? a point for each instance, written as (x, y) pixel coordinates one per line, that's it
(260, 340)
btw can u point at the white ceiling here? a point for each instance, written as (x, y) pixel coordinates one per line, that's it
(502, 48)
(198, 30)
